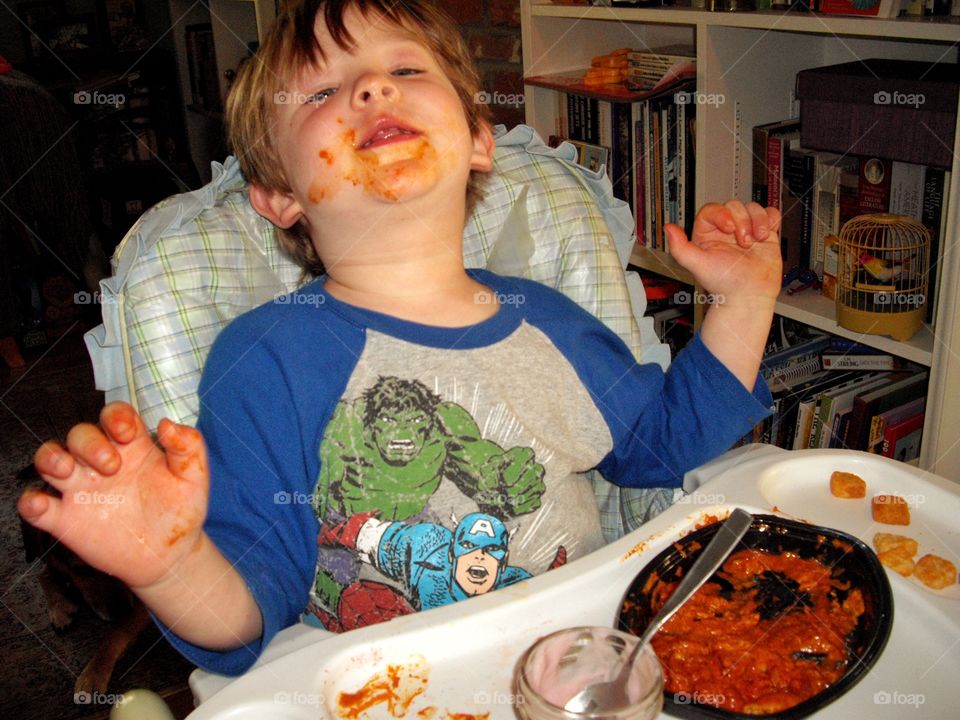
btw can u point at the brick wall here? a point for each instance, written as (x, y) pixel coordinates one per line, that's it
(492, 30)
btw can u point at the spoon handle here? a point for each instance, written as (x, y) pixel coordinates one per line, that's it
(726, 537)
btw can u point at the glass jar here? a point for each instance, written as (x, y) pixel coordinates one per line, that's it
(558, 666)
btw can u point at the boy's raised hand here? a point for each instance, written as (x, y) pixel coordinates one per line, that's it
(128, 507)
(734, 253)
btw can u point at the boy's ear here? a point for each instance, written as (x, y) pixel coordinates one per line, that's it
(483, 146)
(282, 209)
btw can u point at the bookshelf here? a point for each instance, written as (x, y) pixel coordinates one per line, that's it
(235, 24)
(750, 59)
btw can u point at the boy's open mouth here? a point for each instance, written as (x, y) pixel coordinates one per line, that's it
(384, 132)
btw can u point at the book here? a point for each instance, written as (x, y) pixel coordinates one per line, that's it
(879, 423)
(902, 441)
(877, 8)
(860, 361)
(900, 389)
(761, 134)
(827, 171)
(778, 196)
(808, 406)
(797, 203)
(836, 401)
(793, 363)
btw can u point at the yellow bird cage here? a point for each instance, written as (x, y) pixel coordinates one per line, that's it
(883, 267)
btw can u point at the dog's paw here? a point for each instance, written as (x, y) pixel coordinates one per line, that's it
(62, 613)
(94, 678)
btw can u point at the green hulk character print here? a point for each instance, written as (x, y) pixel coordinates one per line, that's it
(388, 451)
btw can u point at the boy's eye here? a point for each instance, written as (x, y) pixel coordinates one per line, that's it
(319, 97)
(407, 71)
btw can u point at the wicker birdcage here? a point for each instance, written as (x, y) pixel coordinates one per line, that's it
(884, 263)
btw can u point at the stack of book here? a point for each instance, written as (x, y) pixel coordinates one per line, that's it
(643, 137)
(818, 191)
(833, 393)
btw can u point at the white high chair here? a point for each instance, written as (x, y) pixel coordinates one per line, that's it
(195, 261)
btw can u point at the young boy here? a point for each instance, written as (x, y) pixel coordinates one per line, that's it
(400, 433)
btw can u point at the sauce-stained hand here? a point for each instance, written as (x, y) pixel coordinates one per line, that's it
(127, 507)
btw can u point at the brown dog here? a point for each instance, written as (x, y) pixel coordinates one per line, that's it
(67, 581)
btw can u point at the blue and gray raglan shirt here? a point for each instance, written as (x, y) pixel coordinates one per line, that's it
(364, 466)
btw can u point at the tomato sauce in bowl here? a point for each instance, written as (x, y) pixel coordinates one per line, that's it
(794, 617)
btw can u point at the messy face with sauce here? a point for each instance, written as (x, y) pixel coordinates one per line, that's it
(377, 123)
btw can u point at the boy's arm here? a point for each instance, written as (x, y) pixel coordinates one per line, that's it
(136, 512)
(735, 256)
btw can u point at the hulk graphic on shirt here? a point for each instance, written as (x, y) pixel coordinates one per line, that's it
(388, 451)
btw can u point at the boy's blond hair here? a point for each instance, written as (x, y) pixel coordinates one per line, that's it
(291, 48)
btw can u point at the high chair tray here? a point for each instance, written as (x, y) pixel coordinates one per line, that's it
(460, 659)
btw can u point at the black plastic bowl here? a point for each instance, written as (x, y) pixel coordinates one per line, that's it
(850, 561)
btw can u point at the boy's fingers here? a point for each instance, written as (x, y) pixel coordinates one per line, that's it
(39, 509)
(758, 220)
(714, 215)
(90, 446)
(53, 462)
(743, 222)
(185, 452)
(121, 422)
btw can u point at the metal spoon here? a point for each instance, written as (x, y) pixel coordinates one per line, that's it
(607, 695)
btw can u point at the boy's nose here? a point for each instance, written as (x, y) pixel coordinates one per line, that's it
(372, 87)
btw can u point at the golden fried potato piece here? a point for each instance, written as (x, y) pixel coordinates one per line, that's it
(891, 542)
(898, 561)
(890, 510)
(847, 485)
(935, 572)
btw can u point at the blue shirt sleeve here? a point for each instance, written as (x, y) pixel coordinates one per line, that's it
(662, 423)
(262, 457)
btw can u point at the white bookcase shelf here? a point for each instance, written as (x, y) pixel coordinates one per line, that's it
(748, 62)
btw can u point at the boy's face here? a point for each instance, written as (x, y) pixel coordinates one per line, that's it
(380, 123)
